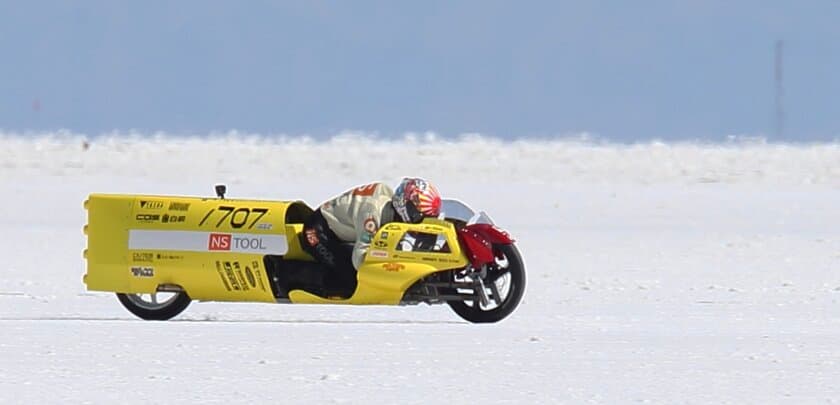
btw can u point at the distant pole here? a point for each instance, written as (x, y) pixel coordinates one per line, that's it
(780, 90)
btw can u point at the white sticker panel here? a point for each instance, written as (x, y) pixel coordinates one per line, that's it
(220, 242)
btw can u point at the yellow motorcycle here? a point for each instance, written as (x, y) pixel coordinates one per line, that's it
(158, 253)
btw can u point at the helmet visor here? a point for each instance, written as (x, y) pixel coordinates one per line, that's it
(414, 215)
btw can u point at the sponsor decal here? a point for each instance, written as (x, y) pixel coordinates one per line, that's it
(229, 242)
(393, 267)
(142, 257)
(236, 218)
(258, 274)
(439, 259)
(378, 253)
(311, 237)
(198, 241)
(151, 205)
(240, 277)
(250, 276)
(265, 226)
(144, 272)
(384, 235)
(235, 279)
(393, 227)
(179, 206)
(147, 217)
(222, 277)
(171, 219)
(249, 243)
(234, 283)
(219, 241)
(161, 256)
(370, 225)
(380, 244)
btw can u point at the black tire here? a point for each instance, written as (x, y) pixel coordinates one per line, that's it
(473, 312)
(155, 311)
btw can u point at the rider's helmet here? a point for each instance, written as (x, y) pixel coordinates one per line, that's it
(415, 199)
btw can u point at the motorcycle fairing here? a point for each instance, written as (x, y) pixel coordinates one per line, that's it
(213, 248)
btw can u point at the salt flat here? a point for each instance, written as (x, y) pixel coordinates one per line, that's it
(661, 273)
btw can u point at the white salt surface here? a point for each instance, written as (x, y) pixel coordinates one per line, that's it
(657, 273)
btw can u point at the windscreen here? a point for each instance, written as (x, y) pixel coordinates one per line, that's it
(480, 218)
(454, 209)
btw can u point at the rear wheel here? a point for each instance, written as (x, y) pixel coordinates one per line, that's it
(158, 306)
(504, 285)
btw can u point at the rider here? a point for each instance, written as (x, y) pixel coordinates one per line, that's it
(354, 217)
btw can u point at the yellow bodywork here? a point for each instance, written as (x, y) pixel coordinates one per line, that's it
(214, 248)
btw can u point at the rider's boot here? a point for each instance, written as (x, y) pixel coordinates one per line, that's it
(279, 277)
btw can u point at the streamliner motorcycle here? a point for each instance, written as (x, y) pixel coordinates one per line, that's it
(158, 253)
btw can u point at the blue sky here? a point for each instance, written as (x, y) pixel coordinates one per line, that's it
(623, 70)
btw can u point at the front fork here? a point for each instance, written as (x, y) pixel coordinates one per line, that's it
(478, 276)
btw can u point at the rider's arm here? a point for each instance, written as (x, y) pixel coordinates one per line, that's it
(366, 224)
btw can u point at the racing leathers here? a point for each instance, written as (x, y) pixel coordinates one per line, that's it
(339, 233)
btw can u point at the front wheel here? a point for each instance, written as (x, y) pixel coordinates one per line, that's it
(504, 284)
(158, 306)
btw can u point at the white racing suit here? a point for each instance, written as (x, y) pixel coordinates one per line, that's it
(339, 233)
(357, 214)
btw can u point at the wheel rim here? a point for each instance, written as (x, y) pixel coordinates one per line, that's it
(154, 301)
(499, 289)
